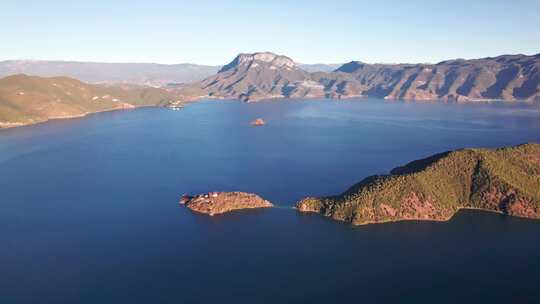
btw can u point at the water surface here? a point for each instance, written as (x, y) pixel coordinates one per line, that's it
(89, 214)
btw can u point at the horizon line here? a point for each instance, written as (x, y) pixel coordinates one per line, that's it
(220, 65)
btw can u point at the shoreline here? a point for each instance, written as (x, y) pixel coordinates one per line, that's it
(419, 219)
(12, 125)
(364, 97)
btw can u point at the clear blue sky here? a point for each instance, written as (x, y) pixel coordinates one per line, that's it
(213, 32)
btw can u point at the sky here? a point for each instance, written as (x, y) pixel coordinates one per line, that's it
(214, 32)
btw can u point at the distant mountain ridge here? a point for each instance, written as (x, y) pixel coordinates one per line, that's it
(506, 77)
(149, 74)
(266, 75)
(319, 67)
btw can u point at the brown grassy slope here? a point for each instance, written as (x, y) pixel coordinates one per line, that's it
(505, 180)
(30, 99)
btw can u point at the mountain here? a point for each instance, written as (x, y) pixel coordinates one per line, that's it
(505, 180)
(31, 99)
(252, 77)
(266, 75)
(150, 74)
(319, 67)
(507, 77)
(257, 76)
(260, 76)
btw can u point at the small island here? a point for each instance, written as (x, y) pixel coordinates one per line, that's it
(258, 122)
(221, 202)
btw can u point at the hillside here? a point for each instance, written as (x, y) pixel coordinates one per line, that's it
(31, 99)
(257, 76)
(149, 74)
(507, 77)
(505, 180)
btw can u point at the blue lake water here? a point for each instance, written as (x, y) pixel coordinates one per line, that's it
(89, 212)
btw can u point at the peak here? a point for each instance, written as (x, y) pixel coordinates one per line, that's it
(350, 67)
(264, 56)
(278, 61)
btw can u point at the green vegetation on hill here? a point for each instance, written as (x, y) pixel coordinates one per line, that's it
(505, 180)
(30, 99)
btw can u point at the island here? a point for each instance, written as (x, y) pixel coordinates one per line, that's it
(258, 122)
(214, 203)
(504, 180)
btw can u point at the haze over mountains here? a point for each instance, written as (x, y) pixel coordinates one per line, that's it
(319, 67)
(150, 74)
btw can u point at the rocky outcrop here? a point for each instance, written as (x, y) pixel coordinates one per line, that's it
(258, 122)
(505, 180)
(221, 202)
(253, 77)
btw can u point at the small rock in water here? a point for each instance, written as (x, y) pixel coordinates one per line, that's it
(258, 122)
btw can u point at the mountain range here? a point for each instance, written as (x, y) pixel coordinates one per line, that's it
(266, 75)
(26, 99)
(149, 74)
(253, 77)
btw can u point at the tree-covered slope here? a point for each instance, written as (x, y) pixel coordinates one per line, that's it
(505, 180)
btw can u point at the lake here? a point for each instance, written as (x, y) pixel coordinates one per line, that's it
(89, 207)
